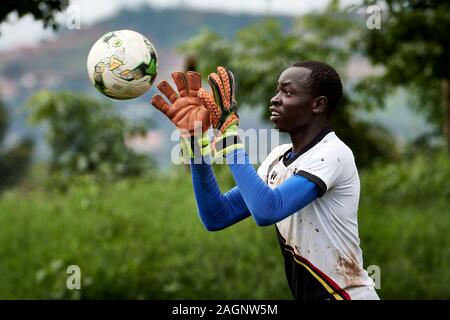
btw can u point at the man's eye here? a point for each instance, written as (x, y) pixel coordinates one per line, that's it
(285, 91)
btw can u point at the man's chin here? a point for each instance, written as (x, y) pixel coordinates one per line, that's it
(277, 127)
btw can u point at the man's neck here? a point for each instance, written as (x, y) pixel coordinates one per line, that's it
(304, 135)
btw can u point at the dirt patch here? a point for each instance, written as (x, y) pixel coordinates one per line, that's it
(349, 268)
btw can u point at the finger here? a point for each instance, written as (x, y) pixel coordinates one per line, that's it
(194, 82)
(233, 119)
(167, 90)
(180, 81)
(159, 103)
(208, 101)
(232, 85)
(225, 82)
(217, 89)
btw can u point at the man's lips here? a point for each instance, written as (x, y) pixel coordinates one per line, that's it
(274, 113)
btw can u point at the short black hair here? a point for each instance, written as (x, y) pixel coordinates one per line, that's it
(323, 81)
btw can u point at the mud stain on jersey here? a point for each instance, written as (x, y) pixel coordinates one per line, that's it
(349, 268)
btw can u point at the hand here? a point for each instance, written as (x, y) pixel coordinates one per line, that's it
(187, 111)
(222, 107)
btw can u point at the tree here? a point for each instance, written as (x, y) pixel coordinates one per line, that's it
(14, 160)
(85, 135)
(260, 52)
(413, 48)
(44, 10)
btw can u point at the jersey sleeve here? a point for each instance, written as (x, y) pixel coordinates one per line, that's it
(262, 171)
(323, 167)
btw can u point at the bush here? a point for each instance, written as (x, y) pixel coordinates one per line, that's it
(86, 135)
(132, 239)
(424, 178)
(404, 218)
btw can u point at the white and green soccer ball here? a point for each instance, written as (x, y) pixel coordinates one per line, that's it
(122, 64)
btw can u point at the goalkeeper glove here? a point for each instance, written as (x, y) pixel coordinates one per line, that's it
(222, 107)
(187, 112)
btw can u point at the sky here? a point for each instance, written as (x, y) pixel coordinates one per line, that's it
(25, 31)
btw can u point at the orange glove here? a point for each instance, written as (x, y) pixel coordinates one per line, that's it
(187, 111)
(186, 108)
(222, 106)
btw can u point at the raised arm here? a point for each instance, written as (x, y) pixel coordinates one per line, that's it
(216, 210)
(266, 205)
(186, 111)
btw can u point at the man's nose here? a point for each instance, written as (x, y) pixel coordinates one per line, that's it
(275, 101)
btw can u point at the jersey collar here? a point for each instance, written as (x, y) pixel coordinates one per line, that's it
(316, 140)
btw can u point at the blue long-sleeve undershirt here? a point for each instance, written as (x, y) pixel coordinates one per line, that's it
(251, 196)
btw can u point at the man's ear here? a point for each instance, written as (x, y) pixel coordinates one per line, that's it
(320, 104)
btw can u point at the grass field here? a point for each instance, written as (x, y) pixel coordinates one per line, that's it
(142, 239)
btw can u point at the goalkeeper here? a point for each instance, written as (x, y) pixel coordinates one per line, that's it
(309, 189)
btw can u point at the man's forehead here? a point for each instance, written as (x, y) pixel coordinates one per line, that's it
(294, 75)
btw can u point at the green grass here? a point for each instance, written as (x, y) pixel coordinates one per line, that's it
(411, 245)
(142, 239)
(404, 221)
(132, 239)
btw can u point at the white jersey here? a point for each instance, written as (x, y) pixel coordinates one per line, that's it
(320, 242)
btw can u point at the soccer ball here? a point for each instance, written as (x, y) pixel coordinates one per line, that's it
(122, 64)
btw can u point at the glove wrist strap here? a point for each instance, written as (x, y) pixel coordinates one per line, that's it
(195, 146)
(227, 142)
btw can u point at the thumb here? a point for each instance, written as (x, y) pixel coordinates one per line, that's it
(159, 103)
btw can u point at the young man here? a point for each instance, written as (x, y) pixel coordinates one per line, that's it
(309, 189)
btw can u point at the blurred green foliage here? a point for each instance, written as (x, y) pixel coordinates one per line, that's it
(14, 160)
(412, 46)
(130, 245)
(422, 178)
(259, 53)
(404, 220)
(86, 135)
(132, 239)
